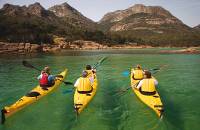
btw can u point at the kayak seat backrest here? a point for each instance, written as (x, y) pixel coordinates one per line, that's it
(33, 94)
(59, 76)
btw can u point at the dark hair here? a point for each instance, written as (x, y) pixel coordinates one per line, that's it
(139, 67)
(148, 74)
(88, 67)
(84, 74)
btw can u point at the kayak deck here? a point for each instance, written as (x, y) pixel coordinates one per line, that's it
(33, 96)
(82, 100)
(152, 101)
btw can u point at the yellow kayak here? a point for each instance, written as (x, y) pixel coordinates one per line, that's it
(33, 96)
(82, 100)
(153, 101)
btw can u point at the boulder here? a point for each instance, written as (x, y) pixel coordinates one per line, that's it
(27, 47)
(21, 46)
(35, 48)
(55, 49)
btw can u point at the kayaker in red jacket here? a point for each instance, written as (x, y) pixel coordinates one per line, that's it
(45, 78)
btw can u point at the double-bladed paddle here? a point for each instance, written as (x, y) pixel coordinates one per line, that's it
(28, 65)
(94, 67)
(154, 70)
(126, 73)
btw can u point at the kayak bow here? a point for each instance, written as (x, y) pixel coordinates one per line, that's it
(33, 96)
(152, 101)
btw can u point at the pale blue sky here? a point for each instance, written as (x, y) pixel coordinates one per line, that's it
(186, 10)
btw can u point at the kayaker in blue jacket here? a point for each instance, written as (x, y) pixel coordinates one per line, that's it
(45, 78)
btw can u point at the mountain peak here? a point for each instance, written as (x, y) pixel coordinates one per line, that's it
(36, 9)
(140, 8)
(140, 16)
(16, 10)
(63, 10)
(67, 12)
(136, 9)
(12, 10)
(197, 27)
(8, 6)
(36, 5)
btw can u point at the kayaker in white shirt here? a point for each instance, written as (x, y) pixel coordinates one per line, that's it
(147, 86)
(84, 83)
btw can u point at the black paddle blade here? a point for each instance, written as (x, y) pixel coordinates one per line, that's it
(3, 118)
(67, 83)
(59, 76)
(28, 65)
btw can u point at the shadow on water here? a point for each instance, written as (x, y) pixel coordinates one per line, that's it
(172, 115)
(112, 109)
(70, 118)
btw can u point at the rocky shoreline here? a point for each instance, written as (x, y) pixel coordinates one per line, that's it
(27, 48)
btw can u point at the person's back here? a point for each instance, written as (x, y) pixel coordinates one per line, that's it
(83, 84)
(45, 78)
(147, 86)
(138, 73)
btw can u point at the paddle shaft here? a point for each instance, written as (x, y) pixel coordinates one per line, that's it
(99, 62)
(26, 64)
(125, 90)
(140, 80)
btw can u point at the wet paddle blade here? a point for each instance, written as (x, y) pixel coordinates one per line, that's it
(125, 73)
(68, 91)
(67, 83)
(28, 65)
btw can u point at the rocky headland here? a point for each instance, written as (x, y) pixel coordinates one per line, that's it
(27, 48)
(33, 29)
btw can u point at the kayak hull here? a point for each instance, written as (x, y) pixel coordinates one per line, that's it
(152, 101)
(33, 96)
(82, 100)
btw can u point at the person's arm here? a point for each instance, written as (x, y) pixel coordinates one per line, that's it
(133, 76)
(91, 80)
(39, 77)
(51, 78)
(139, 85)
(94, 71)
(76, 83)
(156, 83)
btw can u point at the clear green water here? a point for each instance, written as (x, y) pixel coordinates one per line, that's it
(178, 86)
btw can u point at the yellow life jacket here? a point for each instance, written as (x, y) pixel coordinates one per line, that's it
(148, 85)
(84, 84)
(138, 74)
(90, 73)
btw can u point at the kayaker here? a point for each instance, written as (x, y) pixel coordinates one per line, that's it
(147, 86)
(138, 73)
(45, 78)
(84, 83)
(91, 72)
